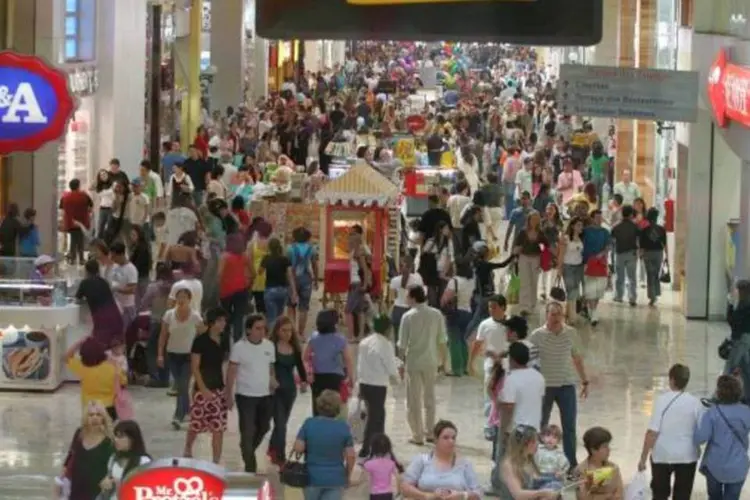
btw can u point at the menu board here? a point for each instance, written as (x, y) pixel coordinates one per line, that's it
(32, 359)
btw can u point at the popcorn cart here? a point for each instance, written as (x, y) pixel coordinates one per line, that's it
(361, 196)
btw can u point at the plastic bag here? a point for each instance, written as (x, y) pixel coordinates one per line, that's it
(513, 289)
(357, 418)
(638, 488)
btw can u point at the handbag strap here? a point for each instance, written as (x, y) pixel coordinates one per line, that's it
(731, 427)
(664, 412)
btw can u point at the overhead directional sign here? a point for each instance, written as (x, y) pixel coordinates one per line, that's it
(640, 94)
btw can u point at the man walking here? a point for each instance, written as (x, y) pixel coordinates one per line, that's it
(422, 344)
(625, 239)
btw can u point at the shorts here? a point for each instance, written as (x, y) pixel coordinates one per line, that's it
(208, 415)
(573, 278)
(594, 287)
(304, 287)
(356, 302)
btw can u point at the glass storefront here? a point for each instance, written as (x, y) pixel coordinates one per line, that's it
(74, 159)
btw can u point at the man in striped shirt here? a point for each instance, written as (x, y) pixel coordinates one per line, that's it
(561, 364)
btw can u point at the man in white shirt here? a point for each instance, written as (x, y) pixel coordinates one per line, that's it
(522, 393)
(669, 438)
(251, 372)
(492, 336)
(627, 189)
(180, 220)
(456, 204)
(123, 278)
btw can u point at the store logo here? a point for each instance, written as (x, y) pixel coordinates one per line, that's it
(35, 103)
(172, 483)
(729, 91)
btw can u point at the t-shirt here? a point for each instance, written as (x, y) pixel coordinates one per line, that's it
(300, 255)
(556, 351)
(96, 292)
(653, 238)
(325, 441)
(179, 221)
(381, 471)
(276, 268)
(401, 292)
(254, 363)
(212, 358)
(524, 387)
(122, 275)
(494, 336)
(196, 292)
(181, 333)
(197, 170)
(675, 416)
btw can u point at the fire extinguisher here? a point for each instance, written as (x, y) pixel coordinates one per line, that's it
(669, 215)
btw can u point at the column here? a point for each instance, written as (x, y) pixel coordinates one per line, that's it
(314, 55)
(121, 57)
(742, 262)
(626, 58)
(227, 53)
(338, 53)
(644, 170)
(606, 52)
(258, 84)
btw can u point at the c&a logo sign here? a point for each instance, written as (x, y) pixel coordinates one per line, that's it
(35, 103)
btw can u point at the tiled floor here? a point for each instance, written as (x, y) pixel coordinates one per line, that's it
(628, 356)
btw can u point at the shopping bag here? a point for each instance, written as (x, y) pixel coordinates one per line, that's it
(638, 488)
(357, 418)
(546, 259)
(664, 275)
(513, 288)
(123, 402)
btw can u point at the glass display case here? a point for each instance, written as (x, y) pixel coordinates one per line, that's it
(342, 221)
(17, 292)
(20, 268)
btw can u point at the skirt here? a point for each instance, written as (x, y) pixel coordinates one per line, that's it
(208, 415)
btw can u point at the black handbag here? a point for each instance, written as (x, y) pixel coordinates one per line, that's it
(664, 275)
(294, 473)
(557, 292)
(725, 349)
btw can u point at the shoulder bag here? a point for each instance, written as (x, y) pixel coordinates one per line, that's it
(295, 473)
(557, 292)
(703, 468)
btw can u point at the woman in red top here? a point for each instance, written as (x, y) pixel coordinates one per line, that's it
(201, 141)
(235, 276)
(238, 210)
(76, 206)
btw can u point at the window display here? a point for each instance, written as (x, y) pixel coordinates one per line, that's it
(342, 222)
(74, 153)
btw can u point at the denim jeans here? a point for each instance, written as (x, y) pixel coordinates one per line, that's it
(652, 261)
(158, 375)
(722, 491)
(322, 493)
(567, 402)
(509, 191)
(236, 306)
(198, 197)
(396, 314)
(254, 417)
(625, 267)
(179, 367)
(283, 401)
(275, 299)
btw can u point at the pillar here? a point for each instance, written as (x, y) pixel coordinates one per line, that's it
(606, 52)
(626, 58)
(227, 53)
(258, 79)
(645, 164)
(742, 259)
(338, 52)
(190, 63)
(121, 58)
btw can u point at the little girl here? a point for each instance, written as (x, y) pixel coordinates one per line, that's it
(123, 400)
(382, 468)
(549, 458)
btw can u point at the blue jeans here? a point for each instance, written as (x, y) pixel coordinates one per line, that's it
(509, 191)
(396, 314)
(652, 261)
(275, 299)
(722, 491)
(625, 267)
(283, 402)
(567, 402)
(179, 367)
(198, 197)
(304, 284)
(321, 493)
(158, 375)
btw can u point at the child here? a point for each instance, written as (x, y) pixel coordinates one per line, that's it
(381, 468)
(494, 386)
(550, 458)
(118, 356)
(29, 242)
(517, 329)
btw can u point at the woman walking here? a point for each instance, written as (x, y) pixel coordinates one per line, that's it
(235, 276)
(280, 284)
(528, 247)
(570, 265)
(652, 242)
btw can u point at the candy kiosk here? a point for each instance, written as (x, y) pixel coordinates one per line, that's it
(35, 318)
(361, 196)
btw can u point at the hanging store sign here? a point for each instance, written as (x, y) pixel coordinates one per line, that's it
(729, 91)
(35, 103)
(83, 81)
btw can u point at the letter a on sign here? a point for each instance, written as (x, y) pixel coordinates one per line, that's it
(24, 101)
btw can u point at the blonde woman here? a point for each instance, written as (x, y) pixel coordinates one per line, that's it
(90, 450)
(528, 247)
(519, 476)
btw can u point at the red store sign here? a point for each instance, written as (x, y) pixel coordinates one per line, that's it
(729, 91)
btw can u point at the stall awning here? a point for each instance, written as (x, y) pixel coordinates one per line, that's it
(361, 185)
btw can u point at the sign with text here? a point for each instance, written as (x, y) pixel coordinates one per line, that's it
(729, 91)
(637, 93)
(35, 103)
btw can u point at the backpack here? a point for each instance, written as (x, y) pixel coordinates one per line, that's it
(301, 261)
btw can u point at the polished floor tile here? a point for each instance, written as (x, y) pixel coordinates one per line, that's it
(627, 355)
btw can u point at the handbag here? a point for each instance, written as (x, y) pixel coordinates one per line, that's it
(557, 292)
(664, 275)
(123, 402)
(596, 267)
(725, 348)
(294, 473)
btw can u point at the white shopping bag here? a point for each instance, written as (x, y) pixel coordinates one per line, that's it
(638, 488)
(357, 417)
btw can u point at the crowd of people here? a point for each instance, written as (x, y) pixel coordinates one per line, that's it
(190, 292)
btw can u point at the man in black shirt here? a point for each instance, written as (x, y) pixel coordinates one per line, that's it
(431, 218)
(117, 175)
(197, 169)
(625, 238)
(337, 116)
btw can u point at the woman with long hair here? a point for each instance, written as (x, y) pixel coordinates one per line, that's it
(288, 358)
(518, 472)
(235, 275)
(552, 226)
(257, 249)
(280, 283)
(570, 265)
(90, 450)
(130, 453)
(208, 409)
(528, 247)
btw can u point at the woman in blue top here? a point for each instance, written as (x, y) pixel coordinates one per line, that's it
(724, 427)
(328, 446)
(595, 268)
(328, 353)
